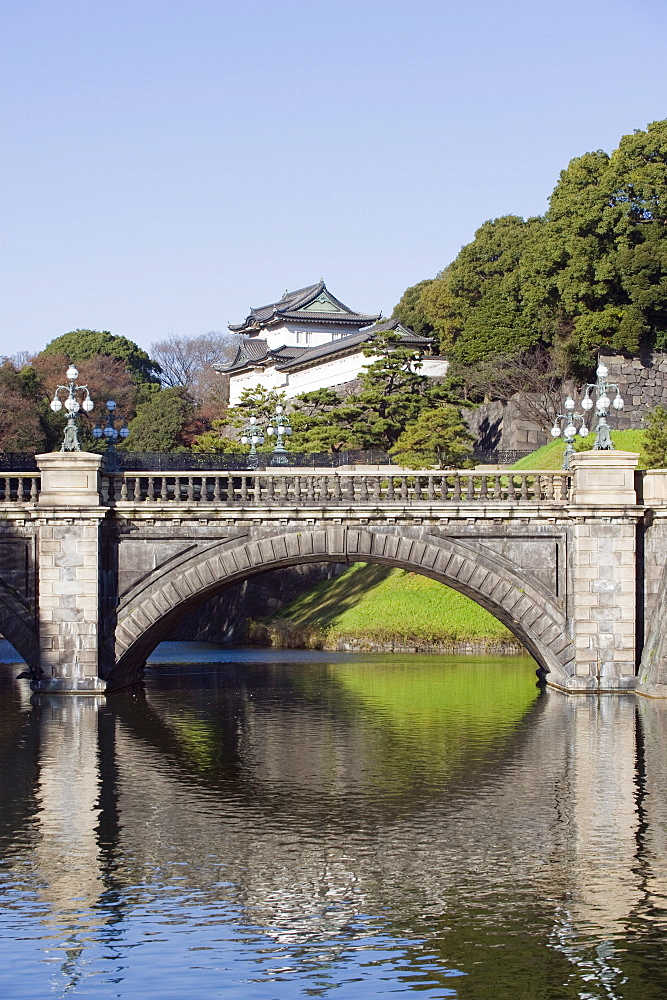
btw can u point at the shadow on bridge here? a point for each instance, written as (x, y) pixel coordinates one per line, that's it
(155, 603)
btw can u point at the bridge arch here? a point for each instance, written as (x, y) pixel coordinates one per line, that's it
(18, 626)
(145, 616)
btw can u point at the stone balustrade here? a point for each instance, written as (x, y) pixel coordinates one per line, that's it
(19, 488)
(344, 488)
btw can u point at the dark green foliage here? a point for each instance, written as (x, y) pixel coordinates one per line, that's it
(317, 424)
(655, 441)
(476, 305)
(226, 433)
(162, 421)
(591, 273)
(410, 309)
(437, 437)
(258, 401)
(80, 345)
(218, 439)
(392, 393)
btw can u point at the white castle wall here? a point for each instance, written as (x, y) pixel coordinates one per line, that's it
(328, 375)
(303, 334)
(267, 379)
(325, 376)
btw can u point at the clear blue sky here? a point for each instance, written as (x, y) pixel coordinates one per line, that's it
(166, 164)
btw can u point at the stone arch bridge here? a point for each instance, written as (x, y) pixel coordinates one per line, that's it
(95, 569)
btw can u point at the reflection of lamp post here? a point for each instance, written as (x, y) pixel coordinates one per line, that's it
(602, 405)
(252, 435)
(280, 426)
(110, 432)
(72, 405)
(569, 431)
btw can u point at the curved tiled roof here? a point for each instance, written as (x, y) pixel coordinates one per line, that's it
(406, 334)
(290, 308)
(252, 353)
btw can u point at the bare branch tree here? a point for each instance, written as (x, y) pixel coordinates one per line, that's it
(19, 360)
(533, 381)
(187, 361)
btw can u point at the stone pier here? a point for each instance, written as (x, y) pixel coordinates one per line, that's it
(68, 542)
(604, 583)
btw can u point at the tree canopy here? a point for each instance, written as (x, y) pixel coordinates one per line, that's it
(437, 437)
(163, 422)
(655, 442)
(392, 393)
(590, 273)
(81, 345)
(410, 310)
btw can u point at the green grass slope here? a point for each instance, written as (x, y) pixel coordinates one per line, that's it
(370, 604)
(550, 456)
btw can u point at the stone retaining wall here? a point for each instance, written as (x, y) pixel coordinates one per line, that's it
(643, 385)
(500, 426)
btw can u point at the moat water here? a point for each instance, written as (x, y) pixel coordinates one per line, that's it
(273, 825)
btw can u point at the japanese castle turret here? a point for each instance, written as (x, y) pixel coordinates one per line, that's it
(309, 340)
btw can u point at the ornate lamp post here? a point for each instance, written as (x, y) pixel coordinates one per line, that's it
(252, 435)
(569, 432)
(72, 405)
(111, 433)
(602, 406)
(280, 426)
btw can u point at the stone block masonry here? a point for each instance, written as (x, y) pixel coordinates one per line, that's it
(603, 597)
(642, 383)
(68, 596)
(504, 426)
(603, 603)
(68, 556)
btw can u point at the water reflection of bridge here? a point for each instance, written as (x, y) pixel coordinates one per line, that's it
(303, 847)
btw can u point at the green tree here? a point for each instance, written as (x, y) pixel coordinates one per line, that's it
(317, 424)
(162, 422)
(392, 392)
(575, 280)
(476, 305)
(224, 433)
(258, 401)
(410, 309)
(655, 441)
(218, 440)
(437, 437)
(81, 345)
(591, 273)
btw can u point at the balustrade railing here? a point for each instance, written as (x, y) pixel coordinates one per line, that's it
(275, 489)
(19, 488)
